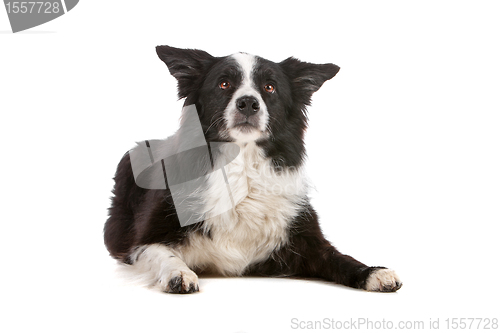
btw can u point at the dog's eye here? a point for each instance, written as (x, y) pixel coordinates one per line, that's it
(269, 88)
(224, 85)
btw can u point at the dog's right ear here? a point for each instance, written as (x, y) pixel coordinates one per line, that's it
(186, 65)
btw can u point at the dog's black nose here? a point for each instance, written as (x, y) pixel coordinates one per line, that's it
(248, 105)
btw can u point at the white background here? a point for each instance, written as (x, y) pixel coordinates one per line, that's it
(403, 147)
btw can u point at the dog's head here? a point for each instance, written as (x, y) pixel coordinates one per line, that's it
(245, 98)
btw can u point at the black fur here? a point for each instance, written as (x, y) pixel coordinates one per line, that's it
(139, 217)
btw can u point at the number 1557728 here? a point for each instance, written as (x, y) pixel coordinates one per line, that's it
(29, 7)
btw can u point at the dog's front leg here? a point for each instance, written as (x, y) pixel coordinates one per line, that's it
(307, 253)
(334, 266)
(165, 270)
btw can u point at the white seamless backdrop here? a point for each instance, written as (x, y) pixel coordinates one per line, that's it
(403, 149)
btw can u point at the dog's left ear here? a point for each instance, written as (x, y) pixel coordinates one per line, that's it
(307, 78)
(186, 65)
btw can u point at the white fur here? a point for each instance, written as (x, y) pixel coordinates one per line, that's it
(382, 280)
(266, 202)
(157, 264)
(246, 62)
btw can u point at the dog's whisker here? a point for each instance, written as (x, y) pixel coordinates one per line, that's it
(213, 123)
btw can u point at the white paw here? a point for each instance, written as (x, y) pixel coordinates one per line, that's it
(384, 280)
(179, 282)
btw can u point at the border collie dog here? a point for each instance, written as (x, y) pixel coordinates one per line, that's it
(271, 228)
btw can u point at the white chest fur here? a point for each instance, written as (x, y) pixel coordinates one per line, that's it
(265, 203)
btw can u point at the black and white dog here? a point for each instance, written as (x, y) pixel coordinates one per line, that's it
(260, 106)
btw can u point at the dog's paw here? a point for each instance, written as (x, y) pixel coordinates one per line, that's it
(180, 282)
(383, 280)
